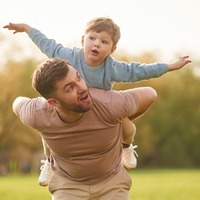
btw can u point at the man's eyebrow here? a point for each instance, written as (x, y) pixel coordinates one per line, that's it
(71, 82)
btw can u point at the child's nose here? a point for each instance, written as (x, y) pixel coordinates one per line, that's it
(97, 43)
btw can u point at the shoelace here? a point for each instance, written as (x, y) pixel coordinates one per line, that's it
(134, 147)
(45, 163)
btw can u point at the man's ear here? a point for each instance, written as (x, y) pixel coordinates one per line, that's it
(82, 40)
(52, 102)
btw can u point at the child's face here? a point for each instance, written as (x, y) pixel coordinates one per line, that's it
(97, 46)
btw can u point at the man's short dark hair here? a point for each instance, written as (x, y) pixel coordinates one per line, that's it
(47, 74)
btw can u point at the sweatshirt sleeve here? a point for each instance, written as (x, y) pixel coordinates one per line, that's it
(49, 46)
(135, 71)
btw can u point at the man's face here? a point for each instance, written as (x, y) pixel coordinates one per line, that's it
(72, 93)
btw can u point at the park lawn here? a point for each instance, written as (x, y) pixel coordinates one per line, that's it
(151, 184)
(22, 187)
(173, 184)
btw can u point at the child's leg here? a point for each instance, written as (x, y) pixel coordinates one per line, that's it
(129, 131)
(46, 149)
(128, 157)
(46, 171)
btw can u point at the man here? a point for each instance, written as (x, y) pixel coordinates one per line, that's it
(83, 130)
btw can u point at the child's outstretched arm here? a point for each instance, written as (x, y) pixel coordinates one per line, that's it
(179, 63)
(48, 46)
(18, 27)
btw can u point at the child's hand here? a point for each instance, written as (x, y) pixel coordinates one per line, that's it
(179, 63)
(17, 27)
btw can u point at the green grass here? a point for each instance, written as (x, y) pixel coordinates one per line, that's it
(165, 184)
(147, 185)
(24, 187)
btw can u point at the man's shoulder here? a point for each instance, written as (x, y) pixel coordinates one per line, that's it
(36, 104)
(105, 96)
(99, 93)
(33, 112)
(122, 99)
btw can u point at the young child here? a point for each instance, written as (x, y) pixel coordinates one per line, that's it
(100, 70)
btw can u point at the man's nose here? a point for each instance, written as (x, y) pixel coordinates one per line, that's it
(81, 86)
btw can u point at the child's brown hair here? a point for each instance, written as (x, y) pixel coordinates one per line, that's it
(104, 24)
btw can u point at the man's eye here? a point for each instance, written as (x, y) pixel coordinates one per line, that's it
(69, 89)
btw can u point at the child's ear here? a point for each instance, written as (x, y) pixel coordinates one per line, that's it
(113, 49)
(82, 40)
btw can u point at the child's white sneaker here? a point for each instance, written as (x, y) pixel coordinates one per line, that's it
(129, 157)
(45, 173)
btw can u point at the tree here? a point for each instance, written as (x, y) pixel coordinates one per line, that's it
(169, 134)
(16, 140)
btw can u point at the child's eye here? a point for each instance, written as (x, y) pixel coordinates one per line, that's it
(92, 38)
(105, 42)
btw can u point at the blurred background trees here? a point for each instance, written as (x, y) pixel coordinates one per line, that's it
(167, 136)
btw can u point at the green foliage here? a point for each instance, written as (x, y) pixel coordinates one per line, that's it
(175, 121)
(15, 138)
(169, 134)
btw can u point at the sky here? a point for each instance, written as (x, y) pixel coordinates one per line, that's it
(165, 27)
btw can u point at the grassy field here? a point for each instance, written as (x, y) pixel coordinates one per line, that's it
(147, 185)
(165, 185)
